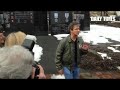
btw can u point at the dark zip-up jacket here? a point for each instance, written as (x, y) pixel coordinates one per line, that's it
(64, 53)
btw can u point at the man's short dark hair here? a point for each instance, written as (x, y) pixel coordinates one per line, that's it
(72, 24)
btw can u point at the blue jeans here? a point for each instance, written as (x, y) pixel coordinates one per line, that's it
(74, 74)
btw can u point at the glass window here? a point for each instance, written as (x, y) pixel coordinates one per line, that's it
(56, 17)
(66, 17)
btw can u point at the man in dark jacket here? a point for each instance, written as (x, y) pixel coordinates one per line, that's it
(69, 52)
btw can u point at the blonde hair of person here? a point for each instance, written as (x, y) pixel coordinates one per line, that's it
(15, 38)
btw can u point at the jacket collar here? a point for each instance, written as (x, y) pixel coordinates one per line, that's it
(70, 40)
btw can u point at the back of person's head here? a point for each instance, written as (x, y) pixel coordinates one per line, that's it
(15, 38)
(15, 62)
(72, 24)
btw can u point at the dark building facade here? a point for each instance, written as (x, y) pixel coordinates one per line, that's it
(84, 18)
(59, 21)
(42, 22)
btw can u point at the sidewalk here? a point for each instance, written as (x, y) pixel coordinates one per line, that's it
(49, 45)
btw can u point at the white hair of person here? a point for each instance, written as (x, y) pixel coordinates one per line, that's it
(31, 37)
(15, 62)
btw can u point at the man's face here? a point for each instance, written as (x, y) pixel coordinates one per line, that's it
(76, 30)
(2, 38)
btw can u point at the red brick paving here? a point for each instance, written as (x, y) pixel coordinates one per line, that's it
(107, 75)
(95, 75)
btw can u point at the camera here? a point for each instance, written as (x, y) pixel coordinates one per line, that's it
(29, 44)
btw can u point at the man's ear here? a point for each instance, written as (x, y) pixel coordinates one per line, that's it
(71, 30)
